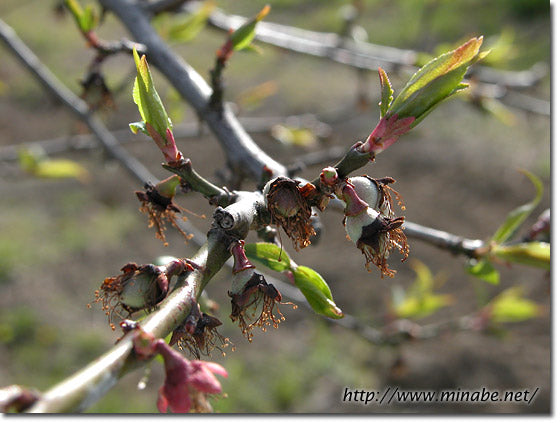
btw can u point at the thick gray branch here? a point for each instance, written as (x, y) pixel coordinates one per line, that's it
(241, 151)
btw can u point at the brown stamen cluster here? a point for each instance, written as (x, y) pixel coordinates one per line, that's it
(382, 236)
(137, 288)
(255, 306)
(201, 338)
(160, 209)
(289, 209)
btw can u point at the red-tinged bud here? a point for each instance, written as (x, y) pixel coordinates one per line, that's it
(387, 131)
(15, 398)
(289, 208)
(187, 383)
(329, 176)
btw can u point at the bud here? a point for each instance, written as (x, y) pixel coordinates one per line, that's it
(157, 203)
(187, 383)
(434, 82)
(374, 234)
(289, 208)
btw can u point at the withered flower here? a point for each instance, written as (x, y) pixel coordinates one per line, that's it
(373, 233)
(289, 209)
(200, 338)
(137, 288)
(253, 300)
(157, 203)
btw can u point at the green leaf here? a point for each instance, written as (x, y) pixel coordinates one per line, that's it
(421, 307)
(187, 29)
(37, 164)
(88, 20)
(316, 292)
(535, 254)
(76, 10)
(516, 217)
(484, 270)
(289, 135)
(435, 81)
(138, 126)
(268, 254)
(510, 306)
(420, 301)
(243, 36)
(386, 92)
(147, 99)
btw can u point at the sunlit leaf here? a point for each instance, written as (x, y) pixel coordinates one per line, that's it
(316, 292)
(243, 36)
(138, 126)
(301, 137)
(435, 81)
(147, 99)
(268, 254)
(531, 253)
(510, 306)
(516, 217)
(386, 92)
(421, 307)
(484, 270)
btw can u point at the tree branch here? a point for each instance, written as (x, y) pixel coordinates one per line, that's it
(73, 102)
(242, 153)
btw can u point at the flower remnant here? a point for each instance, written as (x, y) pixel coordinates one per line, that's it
(157, 203)
(289, 209)
(253, 300)
(373, 233)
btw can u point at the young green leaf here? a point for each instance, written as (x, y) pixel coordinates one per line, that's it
(516, 217)
(147, 99)
(420, 300)
(243, 36)
(316, 292)
(510, 306)
(268, 254)
(138, 126)
(88, 20)
(436, 81)
(76, 10)
(187, 29)
(484, 270)
(37, 164)
(535, 254)
(386, 92)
